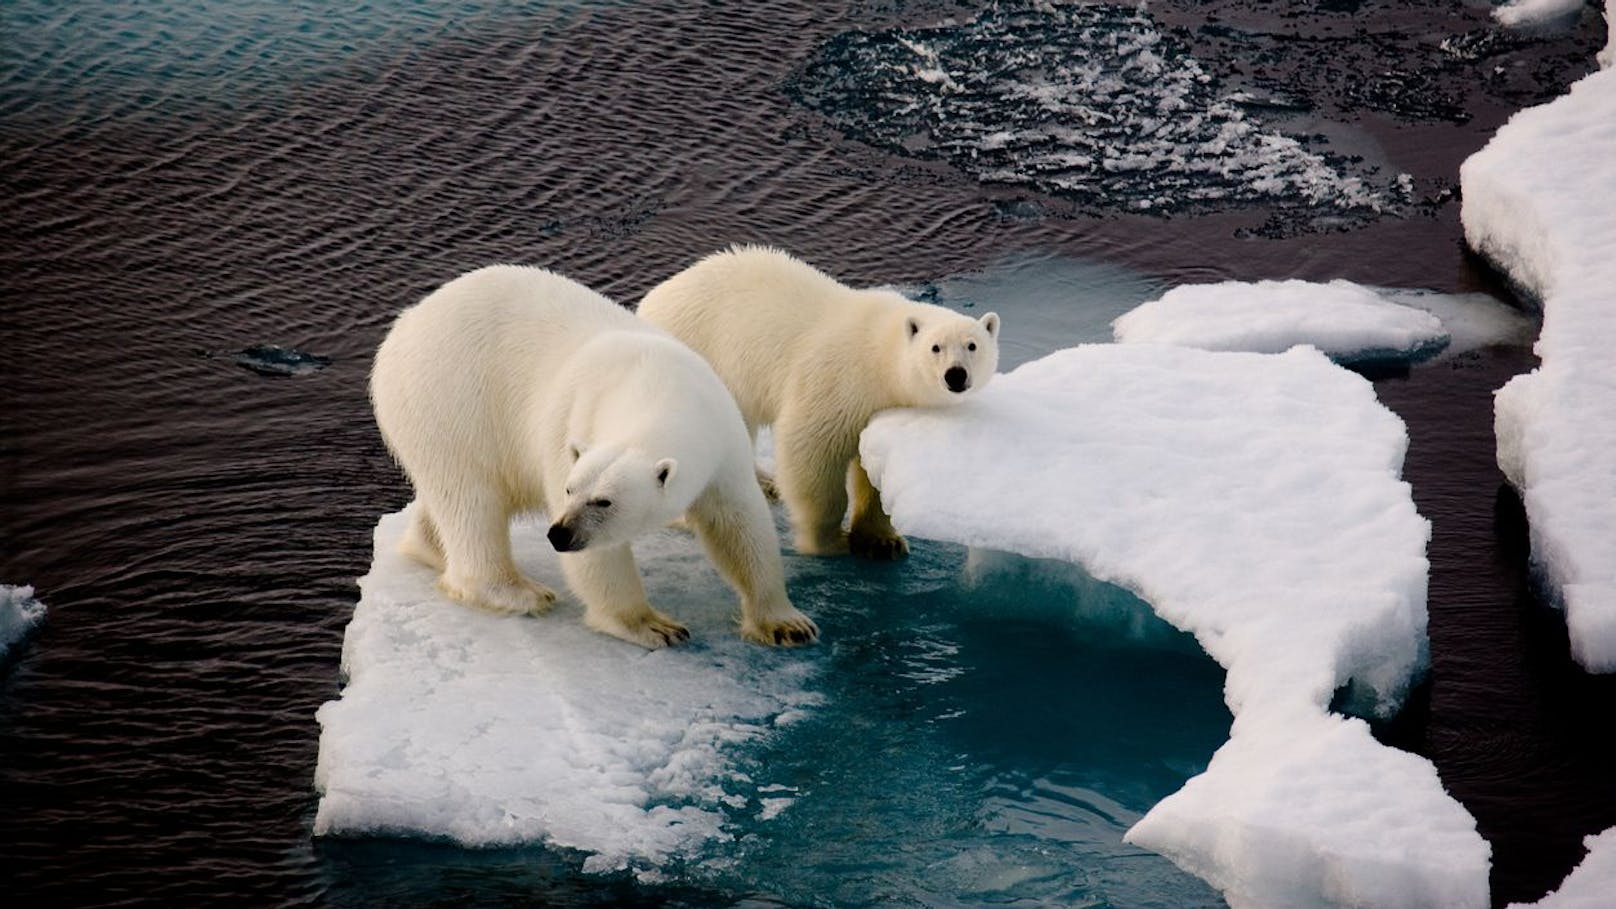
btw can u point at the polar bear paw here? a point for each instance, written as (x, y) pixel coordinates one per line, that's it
(786, 630)
(887, 547)
(522, 596)
(648, 628)
(821, 543)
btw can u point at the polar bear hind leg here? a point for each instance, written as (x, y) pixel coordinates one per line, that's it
(813, 483)
(420, 540)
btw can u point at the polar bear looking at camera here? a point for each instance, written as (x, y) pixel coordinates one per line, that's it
(816, 359)
(512, 389)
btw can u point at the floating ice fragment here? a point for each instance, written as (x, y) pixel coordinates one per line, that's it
(1348, 321)
(274, 360)
(1538, 202)
(1255, 501)
(1527, 13)
(20, 614)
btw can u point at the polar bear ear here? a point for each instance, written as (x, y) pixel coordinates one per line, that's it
(576, 449)
(990, 322)
(665, 470)
(914, 326)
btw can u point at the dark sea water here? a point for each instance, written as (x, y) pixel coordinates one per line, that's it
(185, 188)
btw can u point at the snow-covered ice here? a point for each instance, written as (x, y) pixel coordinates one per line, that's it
(19, 614)
(1255, 501)
(490, 730)
(1591, 884)
(1540, 202)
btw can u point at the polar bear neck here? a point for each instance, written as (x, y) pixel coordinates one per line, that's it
(636, 386)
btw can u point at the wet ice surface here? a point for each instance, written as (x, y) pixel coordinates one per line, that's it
(1093, 102)
(1537, 202)
(1255, 501)
(20, 614)
(941, 746)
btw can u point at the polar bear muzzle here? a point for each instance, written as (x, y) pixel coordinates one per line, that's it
(957, 379)
(563, 539)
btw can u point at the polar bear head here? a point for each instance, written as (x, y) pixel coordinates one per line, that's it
(614, 494)
(947, 355)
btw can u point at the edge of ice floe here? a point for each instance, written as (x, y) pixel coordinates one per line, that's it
(1544, 222)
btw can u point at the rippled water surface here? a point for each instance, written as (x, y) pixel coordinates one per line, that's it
(188, 187)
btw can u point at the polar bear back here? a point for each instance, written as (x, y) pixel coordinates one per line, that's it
(478, 354)
(764, 319)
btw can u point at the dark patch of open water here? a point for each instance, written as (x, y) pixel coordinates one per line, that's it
(179, 182)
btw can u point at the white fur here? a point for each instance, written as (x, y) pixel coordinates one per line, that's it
(817, 359)
(513, 389)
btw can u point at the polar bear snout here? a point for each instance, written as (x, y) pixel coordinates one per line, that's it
(957, 379)
(563, 539)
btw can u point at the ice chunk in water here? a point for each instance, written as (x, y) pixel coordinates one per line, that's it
(20, 613)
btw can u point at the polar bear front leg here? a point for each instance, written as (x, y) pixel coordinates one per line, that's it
(738, 533)
(811, 469)
(474, 534)
(872, 534)
(608, 583)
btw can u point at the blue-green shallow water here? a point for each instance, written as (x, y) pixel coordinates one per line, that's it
(184, 181)
(992, 725)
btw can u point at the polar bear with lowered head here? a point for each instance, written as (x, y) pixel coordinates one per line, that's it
(513, 389)
(817, 359)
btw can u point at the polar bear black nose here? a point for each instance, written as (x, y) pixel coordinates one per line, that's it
(561, 538)
(957, 379)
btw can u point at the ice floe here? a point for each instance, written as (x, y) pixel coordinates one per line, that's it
(1255, 501)
(20, 613)
(494, 730)
(1591, 884)
(1345, 320)
(1540, 203)
(1350, 322)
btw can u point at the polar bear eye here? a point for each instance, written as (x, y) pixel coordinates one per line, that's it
(936, 348)
(971, 346)
(600, 503)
